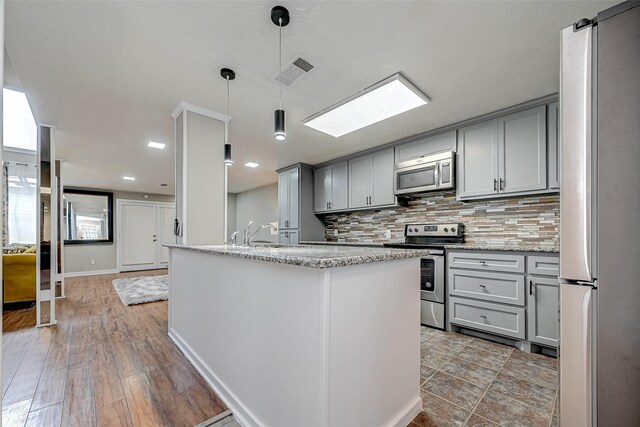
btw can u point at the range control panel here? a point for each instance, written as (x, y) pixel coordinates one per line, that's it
(444, 230)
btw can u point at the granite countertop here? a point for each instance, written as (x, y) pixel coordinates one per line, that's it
(328, 243)
(320, 256)
(503, 247)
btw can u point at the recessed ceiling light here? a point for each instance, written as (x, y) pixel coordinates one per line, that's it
(390, 97)
(128, 178)
(251, 165)
(158, 145)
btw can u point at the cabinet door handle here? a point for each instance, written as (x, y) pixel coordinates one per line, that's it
(531, 286)
(483, 318)
(483, 287)
(329, 205)
(495, 184)
(501, 184)
(286, 223)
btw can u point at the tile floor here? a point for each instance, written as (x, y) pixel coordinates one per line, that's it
(474, 382)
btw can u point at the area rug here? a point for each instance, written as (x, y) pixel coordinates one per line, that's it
(138, 290)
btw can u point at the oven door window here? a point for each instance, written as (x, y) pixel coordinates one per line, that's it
(427, 275)
(423, 177)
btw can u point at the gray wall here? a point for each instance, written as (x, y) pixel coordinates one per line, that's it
(77, 258)
(259, 205)
(231, 215)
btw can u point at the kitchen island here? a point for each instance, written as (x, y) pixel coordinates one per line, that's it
(301, 335)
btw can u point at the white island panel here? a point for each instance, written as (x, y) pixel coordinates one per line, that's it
(286, 345)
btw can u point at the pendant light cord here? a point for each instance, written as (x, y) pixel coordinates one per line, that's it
(280, 70)
(226, 135)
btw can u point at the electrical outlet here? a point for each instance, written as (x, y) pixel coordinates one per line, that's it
(93, 262)
(274, 230)
(387, 234)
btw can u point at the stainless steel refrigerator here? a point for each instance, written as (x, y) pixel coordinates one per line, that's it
(600, 220)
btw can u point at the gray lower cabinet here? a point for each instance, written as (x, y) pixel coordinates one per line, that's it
(288, 237)
(371, 180)
(543, 310)
(488, 286)
(502, 293)
(499, 319)
(331, 188)
(484, 261)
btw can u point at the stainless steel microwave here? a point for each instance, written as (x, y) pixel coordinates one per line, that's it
(427, 173)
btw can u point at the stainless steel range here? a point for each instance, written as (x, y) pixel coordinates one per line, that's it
(432, 277)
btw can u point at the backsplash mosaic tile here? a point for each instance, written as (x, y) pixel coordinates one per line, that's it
(532, 220)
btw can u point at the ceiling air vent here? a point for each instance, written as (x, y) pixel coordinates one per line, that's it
(293, 71)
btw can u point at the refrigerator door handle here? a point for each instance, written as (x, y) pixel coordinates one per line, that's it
(575, 153)
(576, 355)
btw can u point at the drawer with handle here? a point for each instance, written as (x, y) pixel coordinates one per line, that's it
(509, 263)
(543, 265)
(497, 319)
(487, 285)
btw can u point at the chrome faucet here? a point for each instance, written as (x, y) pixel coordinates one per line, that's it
(234, 237)
(262, 227)
(245, 236)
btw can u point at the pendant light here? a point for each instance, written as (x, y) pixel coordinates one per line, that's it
(227, 74)
(280, 17)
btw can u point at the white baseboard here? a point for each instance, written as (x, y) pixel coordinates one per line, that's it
(240, 412)
(90, 273)
(408, 414)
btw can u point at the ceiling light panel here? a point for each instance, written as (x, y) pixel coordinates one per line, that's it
(128, 178)
(158, 145)
(251, 165)
(388, 98)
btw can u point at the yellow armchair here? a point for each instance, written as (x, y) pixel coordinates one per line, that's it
(19, 277)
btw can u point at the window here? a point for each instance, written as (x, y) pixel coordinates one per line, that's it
(21, 198)
(19, 132)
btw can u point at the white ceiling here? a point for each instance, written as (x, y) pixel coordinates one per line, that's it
(109, 74)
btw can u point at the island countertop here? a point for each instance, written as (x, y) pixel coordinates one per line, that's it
(319, 256)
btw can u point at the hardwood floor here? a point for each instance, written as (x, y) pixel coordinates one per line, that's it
(103, 364)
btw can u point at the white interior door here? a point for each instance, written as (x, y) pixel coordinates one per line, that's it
(166, 216)
(138, 236)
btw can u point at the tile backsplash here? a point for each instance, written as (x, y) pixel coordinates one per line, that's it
(532, 220)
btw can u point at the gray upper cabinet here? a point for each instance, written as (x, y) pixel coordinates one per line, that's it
(553, 153)
(522, 150)
(359, 182)
(382, 178)
(288, 198)
(543, 316)
(433, 144)
(507, 156)
(371, 180)
(330, 184)
(322, 189)
(478, 160)
(295, 205)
